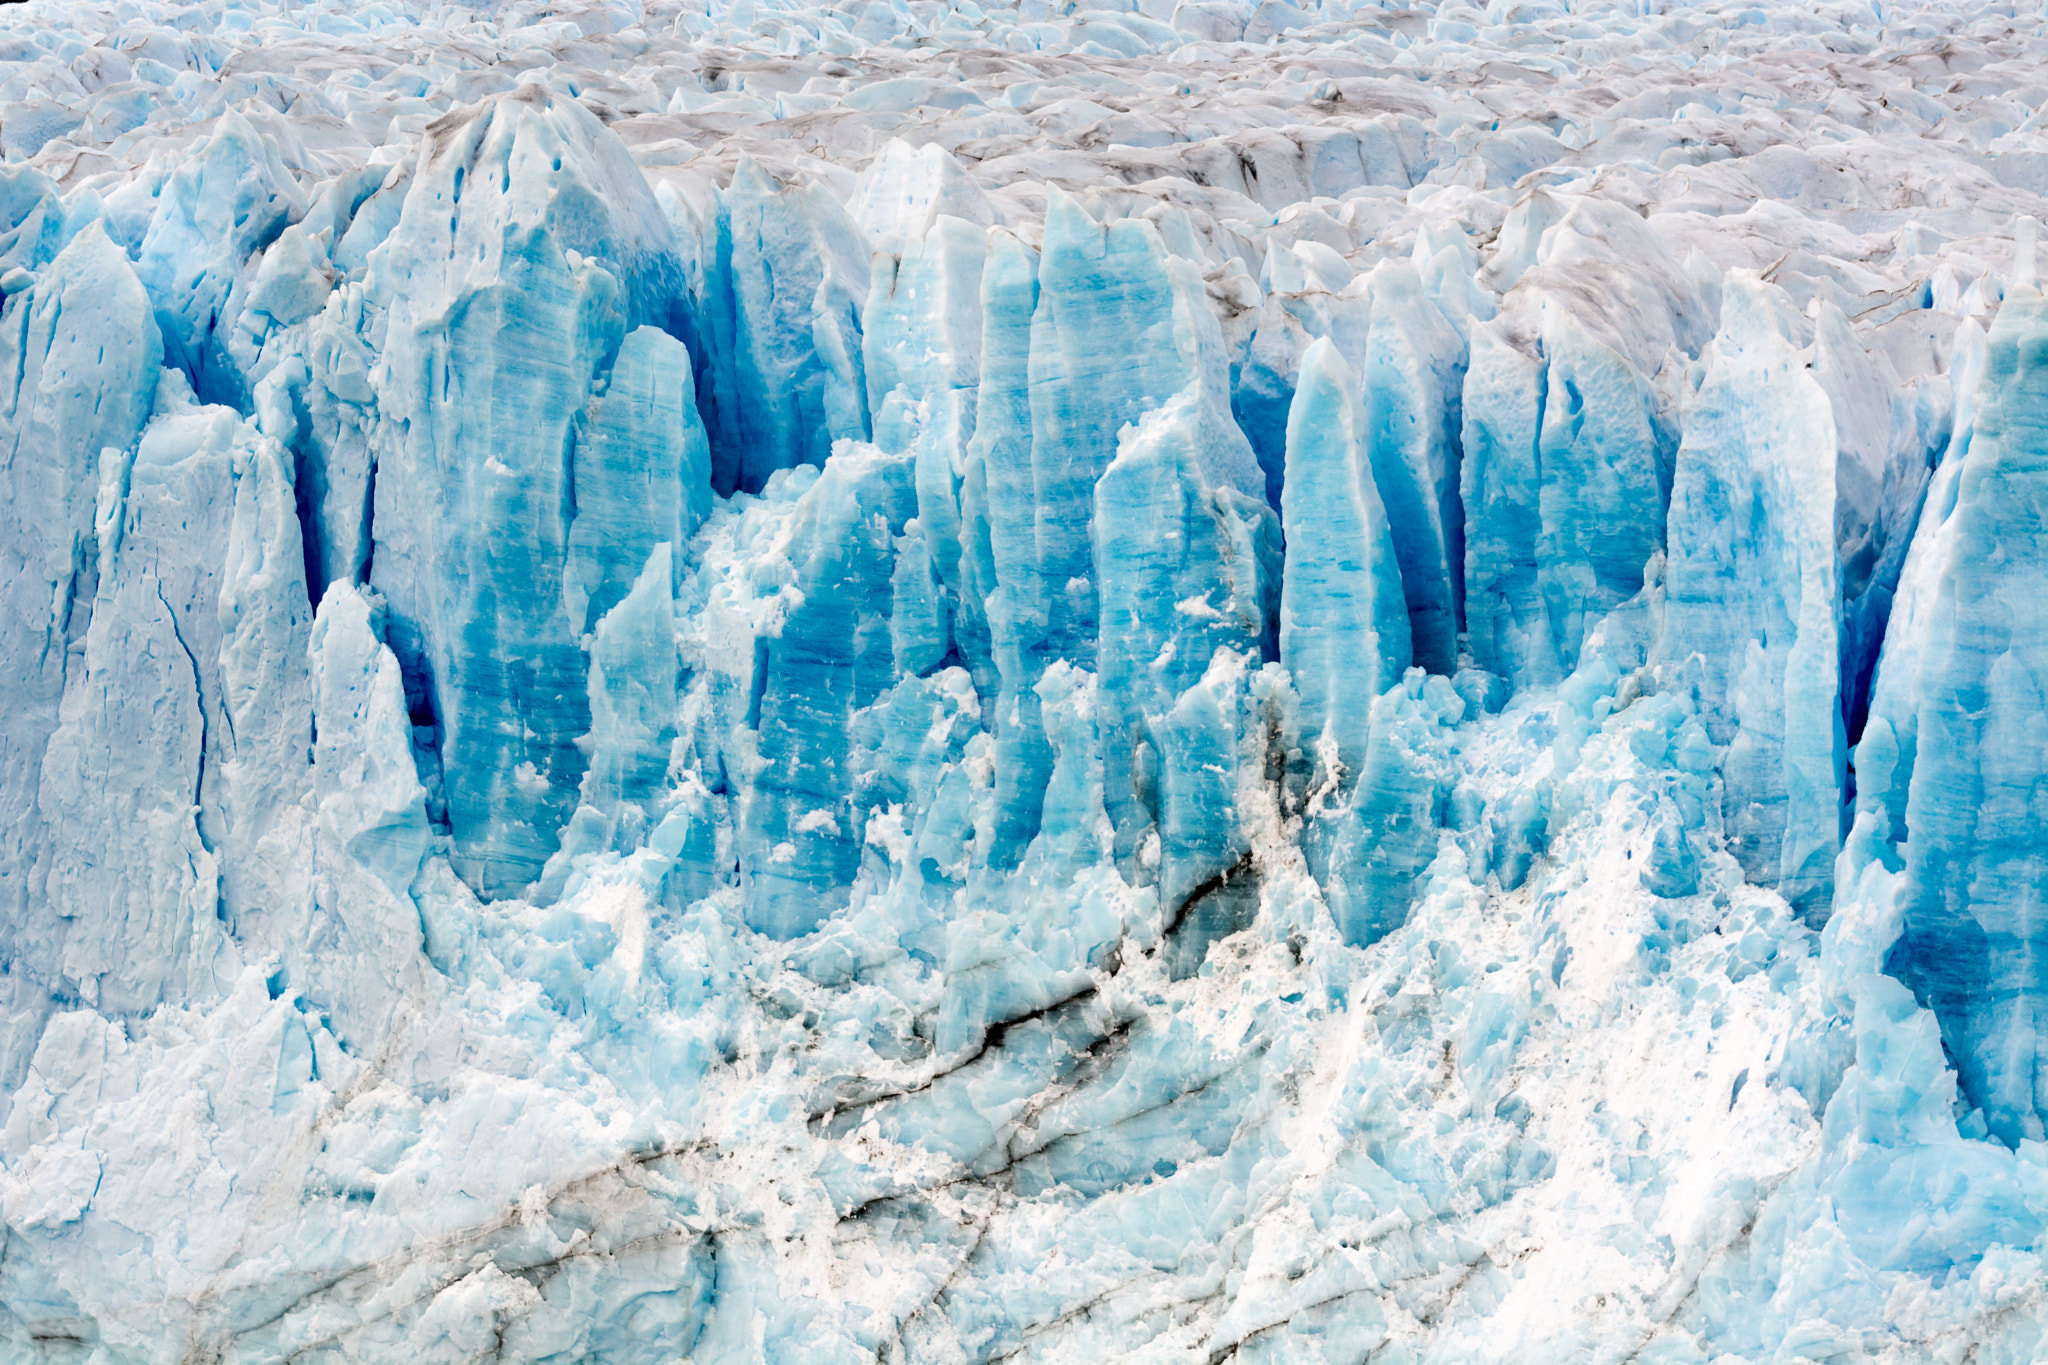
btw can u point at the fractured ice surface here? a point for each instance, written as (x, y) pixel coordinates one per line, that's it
(1164, 682)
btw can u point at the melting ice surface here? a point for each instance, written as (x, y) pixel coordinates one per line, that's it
(1176, 682)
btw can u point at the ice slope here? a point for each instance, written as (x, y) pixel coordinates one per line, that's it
(937, 682)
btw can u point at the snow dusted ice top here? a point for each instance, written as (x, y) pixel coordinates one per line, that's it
(901, 682)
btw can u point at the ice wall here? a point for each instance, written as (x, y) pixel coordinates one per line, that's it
(937, 683)
(1973, 871)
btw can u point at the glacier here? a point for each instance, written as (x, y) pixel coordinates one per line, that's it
(963, 680)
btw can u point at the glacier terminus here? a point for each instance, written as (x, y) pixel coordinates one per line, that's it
(907, 682)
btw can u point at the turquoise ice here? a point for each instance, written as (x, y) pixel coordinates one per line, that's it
(948, 682)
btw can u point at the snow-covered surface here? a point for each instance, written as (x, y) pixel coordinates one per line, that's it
(918, 682)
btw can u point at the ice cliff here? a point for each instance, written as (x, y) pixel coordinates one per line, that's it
(910, 682)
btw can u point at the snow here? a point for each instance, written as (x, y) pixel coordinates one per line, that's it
(911, 681)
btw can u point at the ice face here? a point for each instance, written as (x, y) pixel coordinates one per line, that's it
(1754, 594)
(937, 682)
(1973, 889)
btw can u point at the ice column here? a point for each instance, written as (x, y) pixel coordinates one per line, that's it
(1976, 919)
(1753, 592)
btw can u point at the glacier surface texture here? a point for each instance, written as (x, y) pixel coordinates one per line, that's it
(1169, 681)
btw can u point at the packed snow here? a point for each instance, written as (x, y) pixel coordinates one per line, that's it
(919, 682)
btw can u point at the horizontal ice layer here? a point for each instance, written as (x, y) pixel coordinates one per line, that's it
(951, 683)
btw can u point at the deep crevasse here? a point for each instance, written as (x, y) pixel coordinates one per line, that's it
(680, 691)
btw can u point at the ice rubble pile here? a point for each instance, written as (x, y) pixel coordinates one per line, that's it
(1182, 683)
